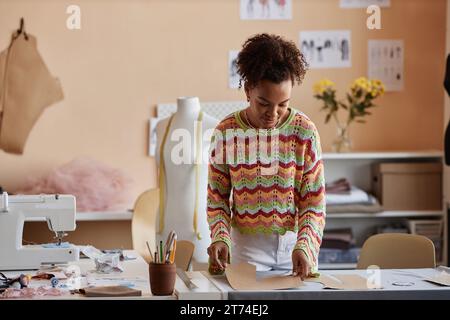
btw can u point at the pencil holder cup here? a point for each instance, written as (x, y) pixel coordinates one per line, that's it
(162, 278)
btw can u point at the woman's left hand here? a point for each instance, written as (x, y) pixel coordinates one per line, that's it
(300, 264)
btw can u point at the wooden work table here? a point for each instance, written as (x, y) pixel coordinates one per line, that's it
(396, 284)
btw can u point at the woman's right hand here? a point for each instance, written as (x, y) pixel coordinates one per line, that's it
(218, 254)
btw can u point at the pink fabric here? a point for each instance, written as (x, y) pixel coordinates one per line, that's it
(31, 292)
(96, 186)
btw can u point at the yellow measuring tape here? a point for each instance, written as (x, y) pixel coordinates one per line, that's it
(162, 174)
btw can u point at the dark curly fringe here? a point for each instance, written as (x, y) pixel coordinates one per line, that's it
(270, 57)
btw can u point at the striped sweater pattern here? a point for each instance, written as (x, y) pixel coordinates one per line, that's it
(279, 190)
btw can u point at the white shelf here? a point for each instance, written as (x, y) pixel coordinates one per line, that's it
(126, 215)
(97, 216)
(387, 214)
(340, 266)
(104, 216)
(432, 154)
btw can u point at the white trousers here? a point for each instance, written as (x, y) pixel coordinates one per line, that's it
(265, 251)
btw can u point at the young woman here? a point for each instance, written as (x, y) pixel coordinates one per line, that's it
(268, 213)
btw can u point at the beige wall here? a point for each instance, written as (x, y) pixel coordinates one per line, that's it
(130, 55)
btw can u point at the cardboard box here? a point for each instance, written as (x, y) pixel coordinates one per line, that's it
(408, 186)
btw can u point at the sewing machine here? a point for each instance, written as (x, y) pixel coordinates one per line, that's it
(59, 210)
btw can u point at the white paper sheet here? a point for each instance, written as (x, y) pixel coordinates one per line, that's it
(266, 9)
(327, 48)
(385, 63)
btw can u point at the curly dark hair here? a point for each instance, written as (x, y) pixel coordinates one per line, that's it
(270, 57)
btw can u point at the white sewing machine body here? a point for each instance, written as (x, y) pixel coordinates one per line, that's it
(59, 210)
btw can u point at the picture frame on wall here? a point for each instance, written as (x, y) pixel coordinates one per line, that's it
(326, 48)
(386, 63)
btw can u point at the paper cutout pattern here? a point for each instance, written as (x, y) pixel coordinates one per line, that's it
(442, 279)
(344, 282)
(242, 276)
(110, 291)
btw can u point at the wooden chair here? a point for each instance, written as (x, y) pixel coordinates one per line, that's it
(143, 229)
(397, 251)
(143, 224)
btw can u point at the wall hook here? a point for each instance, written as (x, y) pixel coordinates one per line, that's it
(22, 29)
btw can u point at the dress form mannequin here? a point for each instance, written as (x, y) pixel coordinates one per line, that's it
(180, 178)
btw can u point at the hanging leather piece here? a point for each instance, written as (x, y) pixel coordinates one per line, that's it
(26, 89)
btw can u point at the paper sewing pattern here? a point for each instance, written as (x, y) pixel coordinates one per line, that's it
(442, 279)
(349, 4)
(345, 282)
(385, 63)
(266, 9)
(326, 48)
(242, 276)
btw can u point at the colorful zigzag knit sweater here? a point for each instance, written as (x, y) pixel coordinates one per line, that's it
(255, 198)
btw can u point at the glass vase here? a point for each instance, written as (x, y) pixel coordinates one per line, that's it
(343, 142)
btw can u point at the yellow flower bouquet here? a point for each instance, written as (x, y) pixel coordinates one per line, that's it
(358, 100)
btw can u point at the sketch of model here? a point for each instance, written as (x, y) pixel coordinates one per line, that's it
(265, 7)
(345, 50)
(250, 7)
(399, 75)
(304, 48)
(312, 49)
(319, 53)
(233, 68)
(308, 48)
(233, 76)
(320, 47)
(281, 4)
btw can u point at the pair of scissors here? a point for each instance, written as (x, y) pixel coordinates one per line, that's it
(7, 282)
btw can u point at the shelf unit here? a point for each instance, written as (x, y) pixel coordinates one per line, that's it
(96, 216)
(386, 214)
(334, 266)
(349, 266)
(356, 167)
(432, 154)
